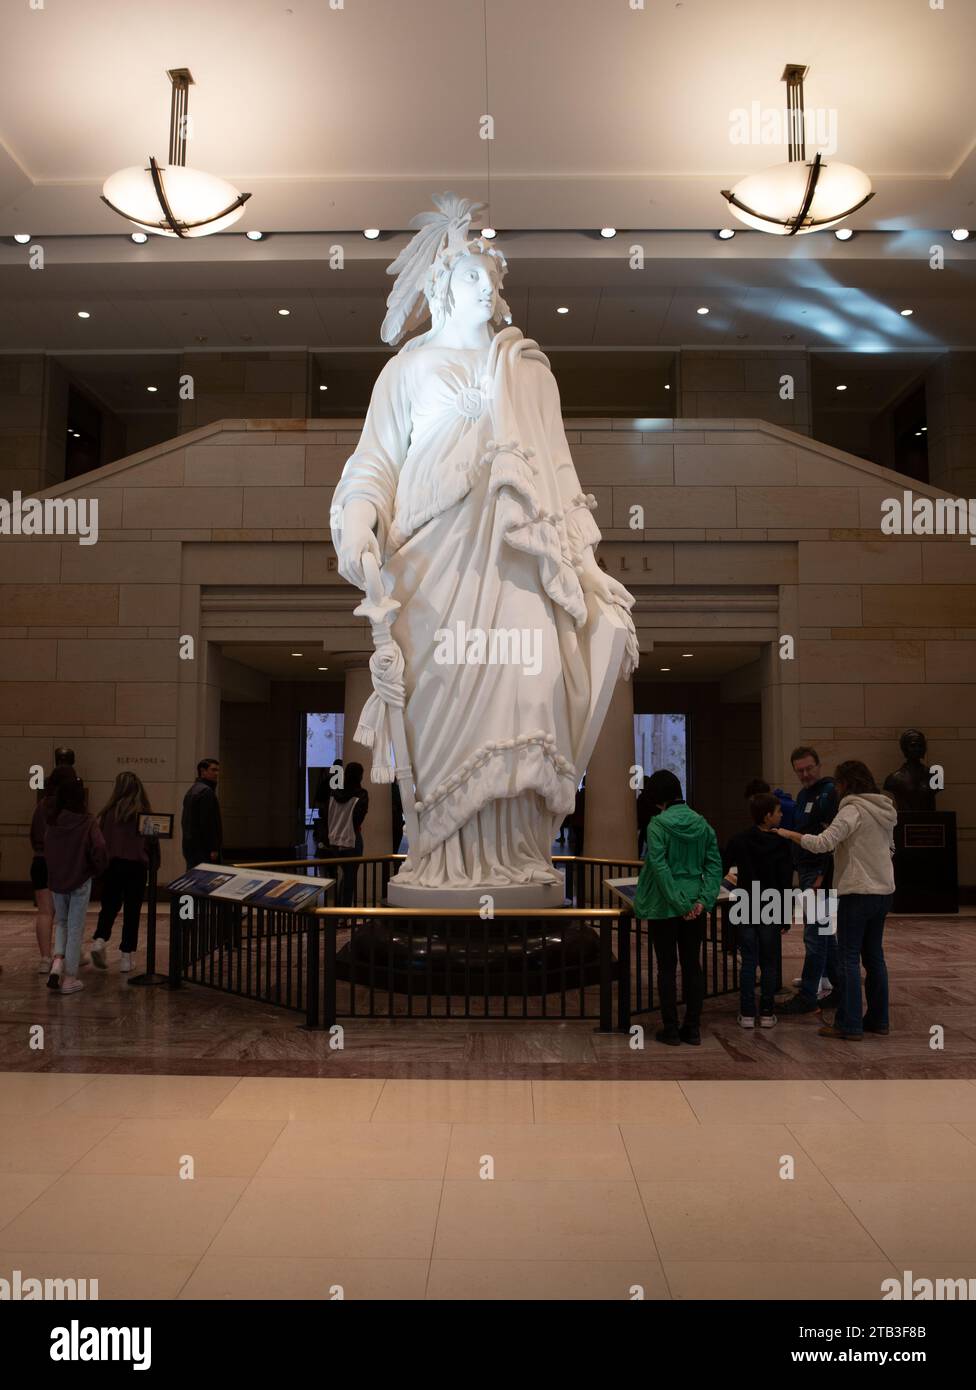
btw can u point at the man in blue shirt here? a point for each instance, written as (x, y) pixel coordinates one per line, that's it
(816, 806)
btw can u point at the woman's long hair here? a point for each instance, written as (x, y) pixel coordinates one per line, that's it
(127, 801)
(856, 778)
(69, 795)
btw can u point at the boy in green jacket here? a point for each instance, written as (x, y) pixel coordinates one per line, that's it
(678, 886)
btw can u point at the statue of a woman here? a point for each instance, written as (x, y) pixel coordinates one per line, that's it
(462, 487)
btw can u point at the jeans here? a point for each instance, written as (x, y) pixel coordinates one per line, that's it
(123, 887)
(860, 934)
(69, 925)
(820, 947)
(673, 936)
(758, 946)
(346, 887)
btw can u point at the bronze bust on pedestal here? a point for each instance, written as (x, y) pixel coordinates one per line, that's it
(910, 787)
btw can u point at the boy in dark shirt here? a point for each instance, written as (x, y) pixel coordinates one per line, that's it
(761, 865)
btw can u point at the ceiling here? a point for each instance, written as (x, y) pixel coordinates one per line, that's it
(343, 117)
(337, 119)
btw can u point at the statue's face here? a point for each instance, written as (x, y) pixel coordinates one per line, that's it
(474, 289)
(913, 744)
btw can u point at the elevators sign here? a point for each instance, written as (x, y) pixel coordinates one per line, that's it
(158, 824)
(925, 837)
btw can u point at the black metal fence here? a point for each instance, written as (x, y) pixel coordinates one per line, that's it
(591, 960)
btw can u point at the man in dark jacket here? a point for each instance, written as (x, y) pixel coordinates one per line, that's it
(760, 866)
(816, 806)
(203, 834)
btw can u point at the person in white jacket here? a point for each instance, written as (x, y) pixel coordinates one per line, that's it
(861, 837)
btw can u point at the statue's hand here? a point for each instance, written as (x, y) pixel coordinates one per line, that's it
(356, 540)
(595, 581)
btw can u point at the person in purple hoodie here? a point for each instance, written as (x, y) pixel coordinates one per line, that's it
(44, 922)
(124, 884)
(74, 849)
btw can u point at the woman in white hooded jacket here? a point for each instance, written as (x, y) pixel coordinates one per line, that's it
(861, 838)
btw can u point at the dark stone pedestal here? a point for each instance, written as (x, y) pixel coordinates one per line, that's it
(926, 874)
(513, 956)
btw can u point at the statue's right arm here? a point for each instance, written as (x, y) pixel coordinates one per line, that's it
(365, 499)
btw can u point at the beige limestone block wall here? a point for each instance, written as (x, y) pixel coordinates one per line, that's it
(746, 382)
(257, 385)
(749, 531)
(950, 392)
(22, 433)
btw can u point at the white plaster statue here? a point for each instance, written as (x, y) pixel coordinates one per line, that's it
(463, 489)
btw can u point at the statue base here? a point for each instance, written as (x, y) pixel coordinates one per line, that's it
(522, 895)
(511, 956)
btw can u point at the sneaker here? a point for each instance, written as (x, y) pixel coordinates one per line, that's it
(798, 982)
(44, 965)
(768, 1020)
(72, 985)
(690, 1034)
(799, 1004)
(125, 962)
(57, 970)
(828, 1001)
(669, 1036)
(882, 1032)
(824, 988)
(746, 1020)
(98, 953)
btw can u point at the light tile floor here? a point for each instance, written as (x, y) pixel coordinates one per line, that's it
(406, 1189)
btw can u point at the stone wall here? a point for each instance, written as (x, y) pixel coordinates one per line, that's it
(749, 532)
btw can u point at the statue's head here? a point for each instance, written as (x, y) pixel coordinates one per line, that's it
(443, 273)
(466, 287)
(913, 744)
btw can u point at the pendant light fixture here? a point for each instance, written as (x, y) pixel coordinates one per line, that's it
(804, 195)
(173, 200)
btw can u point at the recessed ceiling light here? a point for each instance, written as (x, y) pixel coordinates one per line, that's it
(702, 310)
(371, 233)
(960, 233)
(667, 387)
(140, 238)
(843, 233)
(687, 653)
(152, 388)
(254, 235)
(489, 234)
(284, 313)
(562, 309)
(323, 388)
(298, 653)
(323, 668)
(841, 388)
(907, 313)
(665, 668)
(726, 233)
(918, 434)
(608, 232)
(924, 428)
(84, 314)
(22, 237)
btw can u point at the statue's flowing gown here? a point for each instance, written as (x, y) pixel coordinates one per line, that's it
(481, 521)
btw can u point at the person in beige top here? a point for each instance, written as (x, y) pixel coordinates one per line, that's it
(861, 838)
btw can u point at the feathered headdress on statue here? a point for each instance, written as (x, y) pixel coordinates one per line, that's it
(423, 268)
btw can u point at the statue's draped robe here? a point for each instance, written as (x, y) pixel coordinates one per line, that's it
(481, 521)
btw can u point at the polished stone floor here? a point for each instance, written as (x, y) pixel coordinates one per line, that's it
(219, 1187)
(190, 1145)
(194, 1031)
